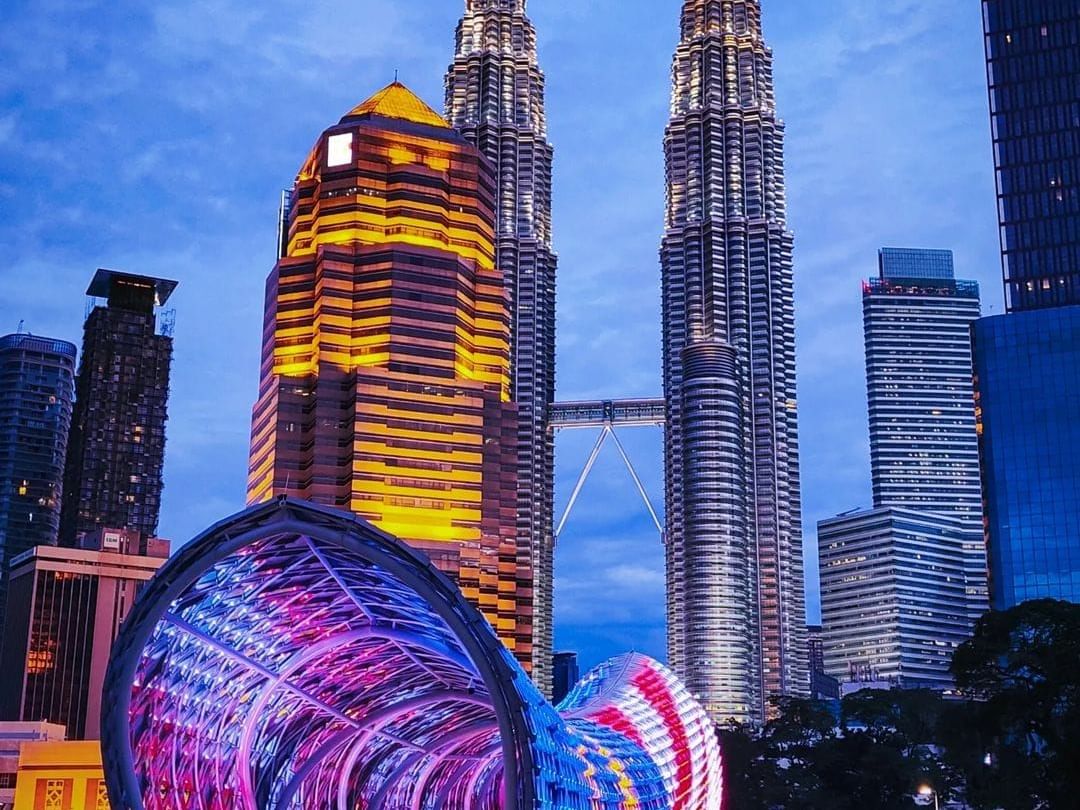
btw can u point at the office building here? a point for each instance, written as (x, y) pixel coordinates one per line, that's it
(1027, 362)
(36, 394)
(65, 610)
(495, 99)
(13, 736)
(736, 603)
(892, 597)
(1032, 51)
(903, 584)
(822, 685)
(1027, 367)
(385, 383)
(116, 452)
(924, 449)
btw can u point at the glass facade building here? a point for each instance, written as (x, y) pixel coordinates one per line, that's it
(37, 389)
(734, 554)
(924, 448)
(1033, 59)
(1027, 368)
(1027, 362)
(116, 454)
(495, 97)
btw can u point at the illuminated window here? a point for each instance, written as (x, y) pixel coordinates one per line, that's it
(339, 150)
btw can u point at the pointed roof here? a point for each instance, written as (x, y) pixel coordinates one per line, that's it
(398, 101)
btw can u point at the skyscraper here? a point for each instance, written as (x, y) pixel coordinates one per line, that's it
(1031, 52)
(116, 453)
(1027, 362)
(67, 606)
(567, 674)
(903, 584)
(1027, 370)
(495, 98)
(924, 450)
(36, 392)
(385, 384)
(892, 596)
(736, 604)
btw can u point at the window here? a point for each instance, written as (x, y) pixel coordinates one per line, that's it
(339, 150)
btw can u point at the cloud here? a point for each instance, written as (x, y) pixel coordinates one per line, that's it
(156, 137)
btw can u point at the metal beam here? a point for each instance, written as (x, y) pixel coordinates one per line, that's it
(582, 478)
(637, 481)
(615, 412)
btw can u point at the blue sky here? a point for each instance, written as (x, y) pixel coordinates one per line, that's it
(156, 137)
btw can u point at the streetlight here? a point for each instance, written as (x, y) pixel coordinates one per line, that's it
(926, 790)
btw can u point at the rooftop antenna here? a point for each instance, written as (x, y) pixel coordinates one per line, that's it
(395, 76)
(19, 331)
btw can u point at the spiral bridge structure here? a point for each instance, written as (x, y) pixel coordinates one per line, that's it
(295, 657)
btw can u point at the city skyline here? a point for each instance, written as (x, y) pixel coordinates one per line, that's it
(598, 304)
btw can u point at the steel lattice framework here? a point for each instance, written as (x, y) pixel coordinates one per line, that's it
(296, 657)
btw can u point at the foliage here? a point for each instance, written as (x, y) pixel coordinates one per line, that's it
(1021, 677)
(1022, 667)
(873, 751)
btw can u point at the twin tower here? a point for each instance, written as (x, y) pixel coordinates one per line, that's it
(408, 366)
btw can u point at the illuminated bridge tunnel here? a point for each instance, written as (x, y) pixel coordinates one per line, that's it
(296, 657)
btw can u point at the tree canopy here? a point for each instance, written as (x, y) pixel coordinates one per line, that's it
(1011, 742)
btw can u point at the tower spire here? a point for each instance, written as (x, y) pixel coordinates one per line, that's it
(738, 17)
(736, 609)
(495, 98)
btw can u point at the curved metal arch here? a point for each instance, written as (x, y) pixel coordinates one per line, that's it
(252, 615)
(289, 517)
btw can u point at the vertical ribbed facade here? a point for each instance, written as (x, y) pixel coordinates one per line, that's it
(116, 453)
(36, 393)
(736, 604)
(495, 98)
(67, 606)
(385, 384)
(924, 449)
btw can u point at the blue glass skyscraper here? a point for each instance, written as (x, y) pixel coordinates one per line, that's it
(1033, 63)
(1027, 362)
(37, 386)
(1027, 368)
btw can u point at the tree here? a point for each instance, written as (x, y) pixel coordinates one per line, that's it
(1018, 741)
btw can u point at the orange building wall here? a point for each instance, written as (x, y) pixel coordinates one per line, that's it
(60, 776)
(386, 371)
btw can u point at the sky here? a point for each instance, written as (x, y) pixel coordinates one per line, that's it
(156, 137)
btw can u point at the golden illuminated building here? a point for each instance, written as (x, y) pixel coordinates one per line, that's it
(385, 383)
(60, 776)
